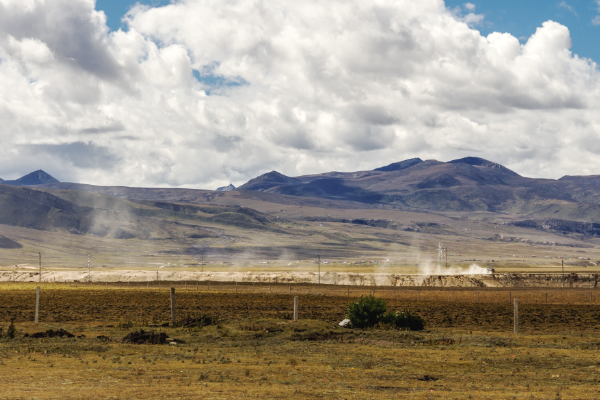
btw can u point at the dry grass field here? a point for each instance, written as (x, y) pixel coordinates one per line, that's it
(253, 350)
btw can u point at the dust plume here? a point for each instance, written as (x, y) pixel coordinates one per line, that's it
(429, 268)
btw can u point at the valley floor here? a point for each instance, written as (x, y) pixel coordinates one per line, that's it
(253, 350)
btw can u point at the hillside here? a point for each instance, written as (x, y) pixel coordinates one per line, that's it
(80, 212)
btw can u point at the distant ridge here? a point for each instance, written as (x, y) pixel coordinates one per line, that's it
(398, 166)
(38, 177)
(228, 188)
(480, 162)
(269, 180)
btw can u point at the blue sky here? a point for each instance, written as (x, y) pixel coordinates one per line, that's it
(521, 18)
(518, 17)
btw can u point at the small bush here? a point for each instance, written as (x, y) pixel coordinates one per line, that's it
(366, 312)
(369, 311)
(403, 319)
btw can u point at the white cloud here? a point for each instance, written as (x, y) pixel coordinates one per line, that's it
(564, 4)
(469, 6)
(596, 20)
(319, 86)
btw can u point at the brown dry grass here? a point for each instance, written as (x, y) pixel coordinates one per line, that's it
(249, 356)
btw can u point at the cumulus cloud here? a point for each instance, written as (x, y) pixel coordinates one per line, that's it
(201, 93)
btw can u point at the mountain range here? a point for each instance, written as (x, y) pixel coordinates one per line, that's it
(468, 184)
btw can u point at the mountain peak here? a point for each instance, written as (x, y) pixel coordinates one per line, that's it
(481, 162)
(268, 180)
(228, 188)
(397, 166)
(38, 177)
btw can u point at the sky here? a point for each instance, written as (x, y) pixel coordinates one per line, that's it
(203, 93)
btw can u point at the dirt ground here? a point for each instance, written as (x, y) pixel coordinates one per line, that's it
(253, 350)
(120, 303)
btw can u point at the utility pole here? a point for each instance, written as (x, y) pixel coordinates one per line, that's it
(40, 262)
(319, 262)
(563, 272)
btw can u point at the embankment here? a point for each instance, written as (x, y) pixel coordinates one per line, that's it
(329, 278)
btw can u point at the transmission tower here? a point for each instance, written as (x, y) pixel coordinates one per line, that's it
(89, 267)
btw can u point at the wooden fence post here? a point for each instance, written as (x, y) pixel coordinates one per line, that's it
(173, 305)
(509, 297)
(419, 294)
(186, 286)
(236, 286)
(196, 286)
(296, 308)
(37, 304)
(516, 316)
(546, 297)
(348, 292)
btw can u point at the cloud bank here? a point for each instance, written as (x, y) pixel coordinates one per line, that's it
(201, 93)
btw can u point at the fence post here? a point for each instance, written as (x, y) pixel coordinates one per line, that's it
(209, 284)
(591, 301)
(516, 316)
(296, 308)
(478, 297)
(236, 286)
(448, 296)
(419, 294)
(173, 305)
(348, 292)
(546, 297)
(196, 286)
(509, 297)
(269, 288)
(186, 286)
(37, 304)
(290, 289)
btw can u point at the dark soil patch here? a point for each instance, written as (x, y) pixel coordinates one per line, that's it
(50, 334)
(142, 337)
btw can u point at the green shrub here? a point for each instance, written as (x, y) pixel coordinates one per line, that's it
(366, 312)
(369, 311)
(403, 319)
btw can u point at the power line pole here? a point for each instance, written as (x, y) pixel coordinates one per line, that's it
(319, 262)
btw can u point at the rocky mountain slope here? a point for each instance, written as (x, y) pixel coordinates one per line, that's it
(38, 177)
